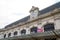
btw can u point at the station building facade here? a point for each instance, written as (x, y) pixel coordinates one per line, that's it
(39, 25)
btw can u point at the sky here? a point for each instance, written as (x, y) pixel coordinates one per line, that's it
(13, 10)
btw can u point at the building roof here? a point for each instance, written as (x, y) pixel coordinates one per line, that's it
(19, 21)
(46, 10)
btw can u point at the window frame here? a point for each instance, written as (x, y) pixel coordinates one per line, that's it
(9, 34)
(4, 35)
(23, 31)
(15, 33)
(33, 30)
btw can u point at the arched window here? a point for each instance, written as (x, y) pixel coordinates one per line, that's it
(33, 29)
(9, 34)
(49, 27)
(15, 33)
(4, 35)
(23, 31)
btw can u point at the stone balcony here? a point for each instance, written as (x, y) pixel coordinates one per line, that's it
(47, 34)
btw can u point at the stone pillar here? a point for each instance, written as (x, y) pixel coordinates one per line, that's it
(12, 34)
(19, 34)
(57, 21)
(27, 31)
(57, 24)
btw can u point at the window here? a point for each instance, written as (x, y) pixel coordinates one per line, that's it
(9, 34)
(15, 33)
(33, 30)
(4, 35)
(23, 31)
(49, 27)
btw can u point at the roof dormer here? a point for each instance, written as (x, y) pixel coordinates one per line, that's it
(34, 12)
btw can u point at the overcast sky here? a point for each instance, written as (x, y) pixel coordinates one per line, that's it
(13, 10)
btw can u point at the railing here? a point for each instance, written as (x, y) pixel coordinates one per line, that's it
(35, 35)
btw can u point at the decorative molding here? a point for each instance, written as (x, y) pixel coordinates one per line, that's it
(57, 19)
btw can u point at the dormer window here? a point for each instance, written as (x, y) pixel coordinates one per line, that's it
(34, 12)
(23, 31)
